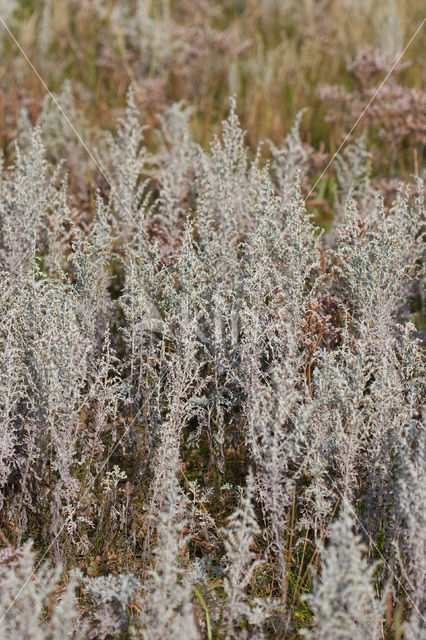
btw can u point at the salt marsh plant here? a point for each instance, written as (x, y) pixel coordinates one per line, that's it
(187, 330)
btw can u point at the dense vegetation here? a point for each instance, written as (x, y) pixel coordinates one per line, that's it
(212, 418)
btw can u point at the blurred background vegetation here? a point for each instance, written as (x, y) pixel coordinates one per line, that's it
(276, 56)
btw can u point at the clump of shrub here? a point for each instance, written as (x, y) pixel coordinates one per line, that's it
(201, 330)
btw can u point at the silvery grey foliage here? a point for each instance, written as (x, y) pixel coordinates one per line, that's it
(27, 589)
(279, 257)
(227, 180)
(174, 164)
(377, 257)
(59, 138)
(395, 388)
(166, 599)
(108, 598)
(353, 168)
(343, 601)
(27, 196)
(129, 157)
(412, 509)
(274, 445)
(241, 563)
(289, 161)
(54, 370)
(51, 360)
(88, 261)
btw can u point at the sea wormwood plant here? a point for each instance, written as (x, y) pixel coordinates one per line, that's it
(140, 357)
(27, 591)
(343, 602)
